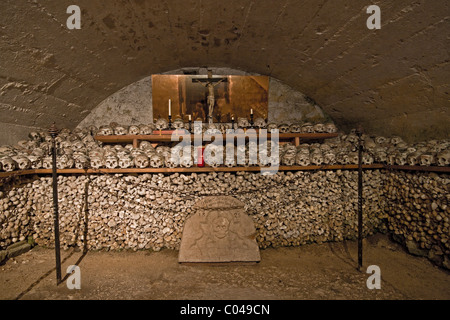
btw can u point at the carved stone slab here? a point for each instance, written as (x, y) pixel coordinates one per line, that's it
(219, 231)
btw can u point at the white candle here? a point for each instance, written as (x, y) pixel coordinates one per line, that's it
(189, 117)
(169, 107)
(251, 111)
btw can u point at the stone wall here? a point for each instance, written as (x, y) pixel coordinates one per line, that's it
(289, 209)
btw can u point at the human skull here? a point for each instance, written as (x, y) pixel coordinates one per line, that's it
(443, 158)
(316, 158)
(330, 128)
(198, 128)
(380, 140)
(120, 130)
(142, 161)
(225, 128)
(178, 123)
(288, 159)
(105, 131)
(380, 156)
(271, 127)
(65, 162)
(133, 130)
(125, 161)
(145, 129)
(395, 140)
(342, 157)
(295, 128)
(186, 161)
(367, 158)
(156, 161)
(243, 123)
(283, 128)
(172, 160)
(8, 164)
(302, 159)
(390, 158)
(401, 158)
(36, 161)
(35, 136)
(161, 124)
(307, 128)
(319, 128)
(413, 158)
(213, 155)
(47, 162)
(82, 162)
(260, 123)
(426, 160)
(329, 157)
(23, 163)
(96, 162)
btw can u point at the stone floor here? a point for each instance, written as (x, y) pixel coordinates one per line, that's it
(315, 271)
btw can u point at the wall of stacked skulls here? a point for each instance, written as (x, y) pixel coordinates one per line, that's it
(148, 211)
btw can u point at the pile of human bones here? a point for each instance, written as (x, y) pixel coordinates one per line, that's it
(79, 149)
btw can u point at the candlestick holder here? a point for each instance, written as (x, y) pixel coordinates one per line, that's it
(232, 123)
(190, 126)
(170, 122)
(251, 120)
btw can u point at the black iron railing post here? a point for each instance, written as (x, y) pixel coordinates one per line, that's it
(53, 131)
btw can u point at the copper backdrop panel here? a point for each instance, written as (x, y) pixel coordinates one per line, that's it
(189, 95)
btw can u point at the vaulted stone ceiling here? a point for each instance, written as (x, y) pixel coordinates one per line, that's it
(392, 81)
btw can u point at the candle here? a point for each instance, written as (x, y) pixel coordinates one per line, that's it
(169, 107)
(251, 111)
(189, 117)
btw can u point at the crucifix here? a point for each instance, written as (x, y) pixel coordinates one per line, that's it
(210, 83)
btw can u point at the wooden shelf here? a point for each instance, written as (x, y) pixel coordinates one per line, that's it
(167, 137)
(221, 169)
